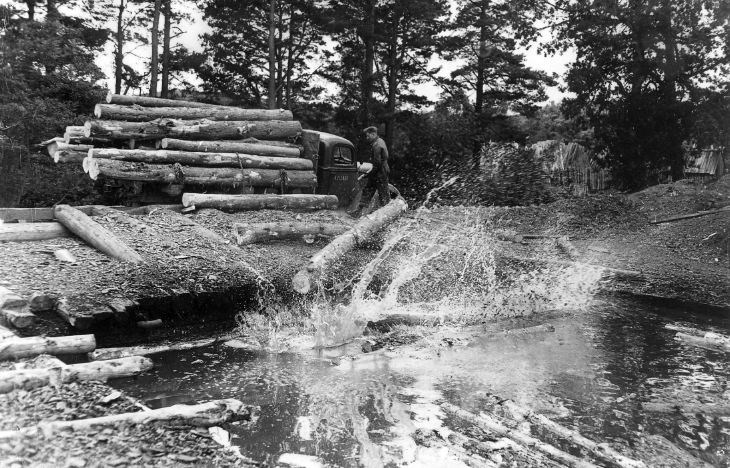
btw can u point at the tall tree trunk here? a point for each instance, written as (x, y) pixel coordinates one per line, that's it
(272, 54)
(52, 11)
(674, 145)
(166, 50)
(280, 62)
(290, 58)
(119, 52)
(368, 38)
(479, 85)
(155, 47)
(31, 9)
(392, 86)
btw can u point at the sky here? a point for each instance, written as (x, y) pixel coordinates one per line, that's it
(194, 28)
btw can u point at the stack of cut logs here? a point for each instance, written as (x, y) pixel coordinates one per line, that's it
(182, 143)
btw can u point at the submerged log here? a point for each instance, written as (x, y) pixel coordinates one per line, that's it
(286, 150)
(145, 114)
(28, 379)
(600, 451)
(116, 353)
(714, 409)
(189, 158)
(234, 203)
(266, 232)
(363, 230)
(208, 414)
(36, 345)
(223, 176)
(20, 232)
(491, 425)
(94, 234)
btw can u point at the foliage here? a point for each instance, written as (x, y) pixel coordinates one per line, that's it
(237, 48)
(48, 74)
(637, 74)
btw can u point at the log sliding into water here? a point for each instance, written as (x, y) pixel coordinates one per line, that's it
(145, 114)
(207, 176)
(364, 229)
(190, 158)
(234, 203)
(269, 148)
(193, 129)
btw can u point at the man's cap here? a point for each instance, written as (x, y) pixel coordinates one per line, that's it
(371, 130)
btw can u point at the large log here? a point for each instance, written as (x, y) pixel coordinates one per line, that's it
(16, 348)
(233, 203)
(17, 318)
(129, 100)
(190, 158)
(286, 150)
(67, 153)
(28, 379)
(96, 235)
(145, 114)
(18, 232)
(208, 414)
(223, 176)
(365, 228)
(266, 232)
(491, 425)
(192, 130)
(103, 354)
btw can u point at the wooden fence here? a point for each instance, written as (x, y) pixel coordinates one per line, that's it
(584, 180)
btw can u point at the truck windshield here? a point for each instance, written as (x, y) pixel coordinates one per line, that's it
(342, 156)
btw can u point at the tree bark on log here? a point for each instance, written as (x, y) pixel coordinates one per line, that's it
(234, 203)
(19, 232)
(116, 353)
(17, 348)
(129, 100)
(28, 379)
(491, 425)
(93, 233)
(145, 114)
(208, 414)
(710, 341)
(224, 176)
(364, 229)
(285, 150)
(55, 146)
(189, 158)
(600, 451)
(192, 130)
(266, 232)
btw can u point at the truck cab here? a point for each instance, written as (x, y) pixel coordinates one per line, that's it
(336, 168)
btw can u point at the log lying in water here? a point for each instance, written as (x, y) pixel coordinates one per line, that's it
(189, 158)
(28, 379)
(193, 130)
(209, 414)
(285, 150)
(115, 353)
(600, 451)
(94, 234)
(19, 232)
(363, 230)
(145, 114)
(714, 409)
(16, 348)
(491, 425)
(234, 203)
(223, 176)
(711, 341)
(266, 232)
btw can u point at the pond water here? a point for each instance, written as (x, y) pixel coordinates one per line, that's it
(595, 373)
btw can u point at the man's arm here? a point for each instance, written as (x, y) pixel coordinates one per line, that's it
(376, 156)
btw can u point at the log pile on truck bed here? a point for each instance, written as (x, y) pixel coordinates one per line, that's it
(182, 146)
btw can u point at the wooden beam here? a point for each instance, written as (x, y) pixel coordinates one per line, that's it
(19, 232)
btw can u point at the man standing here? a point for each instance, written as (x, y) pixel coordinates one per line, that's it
(378, 177)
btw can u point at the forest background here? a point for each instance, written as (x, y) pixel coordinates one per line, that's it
(647, 82)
